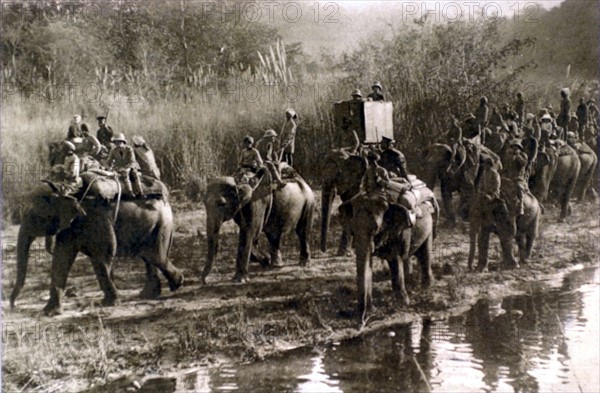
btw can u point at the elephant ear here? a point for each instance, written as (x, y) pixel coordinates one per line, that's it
(263, 188)
(396, 219)
(68, 210)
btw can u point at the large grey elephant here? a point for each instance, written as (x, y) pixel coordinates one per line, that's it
(100, 230)
(274, 212)
(555, 174)
(382, 229)
(341, 173)
(456, 172)
(499, 216)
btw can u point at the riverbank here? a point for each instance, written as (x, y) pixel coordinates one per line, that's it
(277, 310)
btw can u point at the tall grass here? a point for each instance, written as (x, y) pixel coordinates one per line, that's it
(193, 137)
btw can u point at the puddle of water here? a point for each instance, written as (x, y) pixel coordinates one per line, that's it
(541, 342)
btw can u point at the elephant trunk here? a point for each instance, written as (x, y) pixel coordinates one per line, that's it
(213, 227)
(24, 241)
(326, 202)
(364, 275)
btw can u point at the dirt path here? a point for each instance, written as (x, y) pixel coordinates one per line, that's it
(278, 310)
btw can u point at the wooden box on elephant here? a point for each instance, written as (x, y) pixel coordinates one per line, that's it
(371, 121)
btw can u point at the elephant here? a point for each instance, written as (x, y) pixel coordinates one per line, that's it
(274, 212)
(341, 174)
(456, 173)
(489, 215)
(44, 214)
(589, 164)
(383, 229)
(102, 230)
(556, 172)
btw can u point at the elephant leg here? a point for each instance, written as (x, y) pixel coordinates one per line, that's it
(532, 234)
(398, 280)
(346, 239)
(303, 230)
(509, 261)
(258, 256)
(344, 248)
(152, 288)
(447, 202)
(424, 254)
(483, 246)
(473, 232)
(102, 268)
(274, 239)
(364, 276)
(246, 239)
(62, 261)
(49, 244)
(171, 273)
(521, 239)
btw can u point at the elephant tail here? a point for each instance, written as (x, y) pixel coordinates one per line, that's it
(436, 216)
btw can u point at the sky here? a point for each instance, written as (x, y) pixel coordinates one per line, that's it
(336, 26)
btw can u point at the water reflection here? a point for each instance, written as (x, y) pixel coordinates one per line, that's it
(543, 341)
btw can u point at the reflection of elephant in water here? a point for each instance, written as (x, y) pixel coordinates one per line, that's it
(495, 216)
(341, 174)
(556, 174)
(142, 228)
(456, 173)
(273, 212)
(383, 230)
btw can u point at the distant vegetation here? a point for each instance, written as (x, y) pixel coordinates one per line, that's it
(194, 83)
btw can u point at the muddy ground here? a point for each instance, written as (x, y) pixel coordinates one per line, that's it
(279, 309)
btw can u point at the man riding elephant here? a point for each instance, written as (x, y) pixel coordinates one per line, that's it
(145, 157)
(89, 146)
(122, 160)
(392, 160)
(482, 113)
(565, 109)
(516, 170)
(266, 148)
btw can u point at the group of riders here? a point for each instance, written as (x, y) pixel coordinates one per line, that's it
(522, 134)
(106, 154)
(518, 137)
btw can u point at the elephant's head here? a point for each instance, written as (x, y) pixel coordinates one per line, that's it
(64, 207)
(543, 171)
(341, 173)
(222, 199)
(47, 213)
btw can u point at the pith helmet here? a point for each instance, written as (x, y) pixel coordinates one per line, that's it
(290, 111)
(269, 133)
(571, 135)
(248, 139)
(546, 117)
(356, 93)
(377, 84)
(138, 140)
(119, 137)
